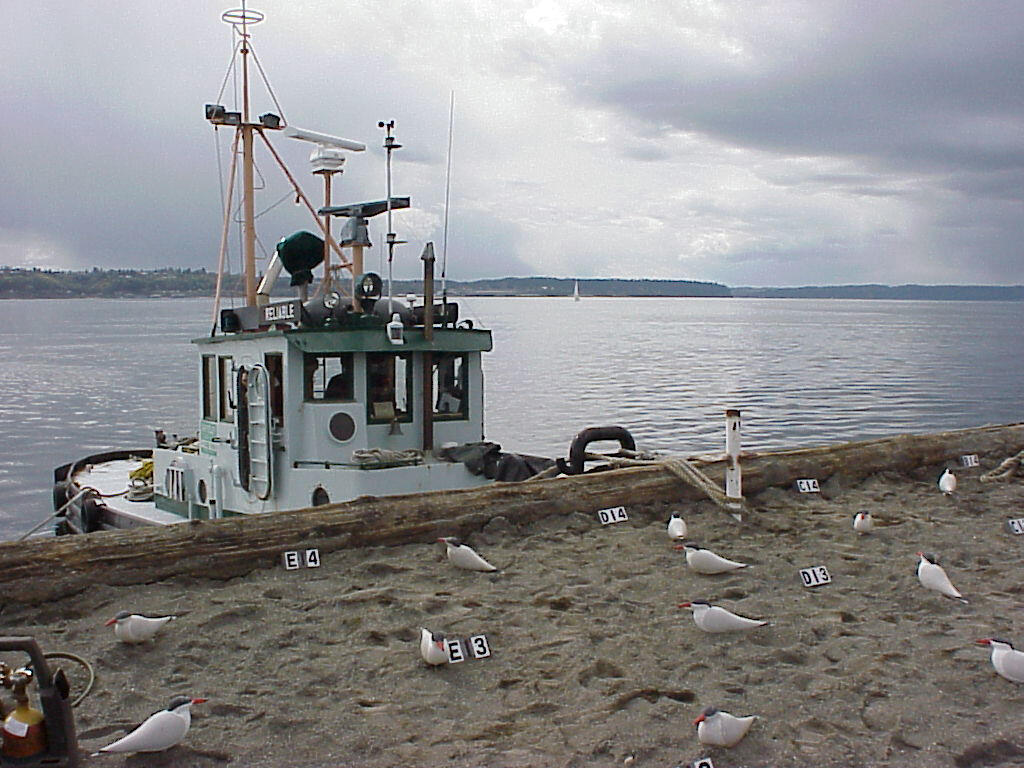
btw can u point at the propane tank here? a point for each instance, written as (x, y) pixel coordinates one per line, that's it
(24, 732)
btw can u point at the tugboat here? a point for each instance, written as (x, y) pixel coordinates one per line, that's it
(335, 394)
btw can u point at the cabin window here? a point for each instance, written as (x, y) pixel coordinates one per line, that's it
(274, 363)
(451, 399)
(329, 377)
(389, 387)
(227, 406)
(210, 387)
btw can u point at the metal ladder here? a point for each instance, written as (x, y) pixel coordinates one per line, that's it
(261, 449)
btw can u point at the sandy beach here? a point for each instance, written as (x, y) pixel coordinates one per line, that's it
(593, 663)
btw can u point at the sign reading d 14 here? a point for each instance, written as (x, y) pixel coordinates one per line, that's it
(612, 515)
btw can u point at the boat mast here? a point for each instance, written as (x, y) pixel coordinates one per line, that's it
(248, 205)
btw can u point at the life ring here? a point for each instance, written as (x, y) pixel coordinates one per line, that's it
(578, 449)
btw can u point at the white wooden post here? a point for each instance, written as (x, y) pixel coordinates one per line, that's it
(733, 482)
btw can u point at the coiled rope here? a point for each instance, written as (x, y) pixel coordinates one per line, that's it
(382, 458)
(1004, 471)
(680, 467)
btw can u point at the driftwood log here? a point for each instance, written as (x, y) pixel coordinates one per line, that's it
(42, 569)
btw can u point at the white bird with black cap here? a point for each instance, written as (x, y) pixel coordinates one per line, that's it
(863, 522)
(432, 647)
(713, 618)
(676, 527)
(464, 556)
(160, 731)
(135, 628)
(933, 576)
(947, 482)
(707, 562)
(716, 728)
(1007, 660)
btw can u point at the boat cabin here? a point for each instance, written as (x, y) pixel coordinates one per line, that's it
(295, 413)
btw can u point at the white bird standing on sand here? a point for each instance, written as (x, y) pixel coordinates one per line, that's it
(933, 576)
(432, 648)
(863, 522)
(1008, 661)
(160, 731)
(716, 728)
(676, 527)
(947, 482)
(712, 618)
(705, 561)
(464, 556)
(133, 628)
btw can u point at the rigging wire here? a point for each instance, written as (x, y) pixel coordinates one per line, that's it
(230, 70)
(266, 82)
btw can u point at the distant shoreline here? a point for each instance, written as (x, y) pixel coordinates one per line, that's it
(187, 283)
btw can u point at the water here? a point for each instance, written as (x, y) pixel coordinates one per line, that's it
(82, 376)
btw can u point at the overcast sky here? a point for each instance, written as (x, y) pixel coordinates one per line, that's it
(780, 143)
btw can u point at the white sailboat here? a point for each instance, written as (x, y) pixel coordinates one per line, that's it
(576, 290)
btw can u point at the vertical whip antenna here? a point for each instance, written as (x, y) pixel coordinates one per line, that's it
(447, 196)
(390, 145)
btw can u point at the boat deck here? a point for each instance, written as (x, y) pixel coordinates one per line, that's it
(109, 479)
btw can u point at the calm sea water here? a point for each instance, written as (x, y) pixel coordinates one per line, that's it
(82, 376)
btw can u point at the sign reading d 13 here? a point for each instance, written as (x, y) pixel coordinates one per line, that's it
(816, 576)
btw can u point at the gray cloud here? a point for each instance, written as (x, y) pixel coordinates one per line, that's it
(782, 143)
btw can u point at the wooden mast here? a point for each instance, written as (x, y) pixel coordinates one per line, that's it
(248, 205)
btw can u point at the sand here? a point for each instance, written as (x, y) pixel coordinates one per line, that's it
(593, 663)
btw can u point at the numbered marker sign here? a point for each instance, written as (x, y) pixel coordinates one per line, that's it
(816, 576)
(455, 651)
(476, 646)
(1016, 526)
(810, 485)
(612, 515)
(295, 559)
(970, 460)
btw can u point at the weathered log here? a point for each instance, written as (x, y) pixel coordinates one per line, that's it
(42, 569)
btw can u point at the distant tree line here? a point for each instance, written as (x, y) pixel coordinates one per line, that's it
(905, 292)
(18, 283)
(103, 283)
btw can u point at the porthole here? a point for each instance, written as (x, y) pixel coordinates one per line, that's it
(342, 427)
(320, 497)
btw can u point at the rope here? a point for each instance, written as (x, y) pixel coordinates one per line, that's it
(381, 458)
(1004, 471)
(140, 490)
(76, 658)
(686, 472)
